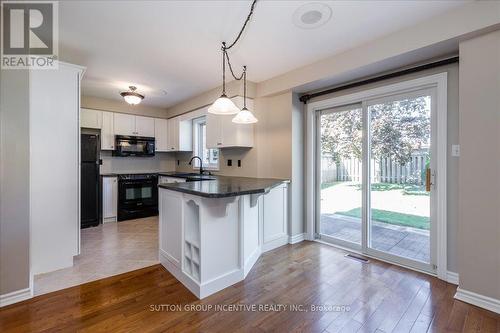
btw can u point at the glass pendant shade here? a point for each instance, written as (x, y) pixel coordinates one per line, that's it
(223, 106)
(245, 117)
(131, 99)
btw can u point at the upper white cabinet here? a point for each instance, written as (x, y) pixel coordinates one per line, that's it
(222, 132)
(107, 131)
(144, 126)
(90, 118)
(180, 134)
(124, 124)
(131, 125)
(161, 134)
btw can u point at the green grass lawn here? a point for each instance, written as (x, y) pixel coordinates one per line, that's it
(406, 220)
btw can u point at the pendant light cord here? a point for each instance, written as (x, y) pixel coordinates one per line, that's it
(244, 25)
(225, 56)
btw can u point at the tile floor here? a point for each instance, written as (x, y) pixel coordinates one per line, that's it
(107, 250)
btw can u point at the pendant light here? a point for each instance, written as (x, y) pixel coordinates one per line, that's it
(245, 116)
(223, 105)
(132, 97)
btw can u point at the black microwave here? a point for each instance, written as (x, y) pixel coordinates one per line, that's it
(134, 146)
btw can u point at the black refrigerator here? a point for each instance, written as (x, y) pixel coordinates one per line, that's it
(89, 182)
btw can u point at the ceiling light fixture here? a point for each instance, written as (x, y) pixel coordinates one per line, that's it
(223, 105)
(132, 97)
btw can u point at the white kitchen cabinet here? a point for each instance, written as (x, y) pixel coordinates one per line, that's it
(124, 124)
(144, 126)
(107, 131)
(109, 199)
(131, 125)
(180, 134)
(275, 218)
(161, 134)
(90, 118)
(222, 132)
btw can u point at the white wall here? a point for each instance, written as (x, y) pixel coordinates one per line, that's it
(14, 181)
(54, 170)
(479, 180)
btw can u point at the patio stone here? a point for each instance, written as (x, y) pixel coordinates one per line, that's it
(402, 241)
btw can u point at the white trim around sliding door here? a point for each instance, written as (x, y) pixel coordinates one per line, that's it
(438, 81)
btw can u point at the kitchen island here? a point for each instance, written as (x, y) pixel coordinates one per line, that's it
(212, 231)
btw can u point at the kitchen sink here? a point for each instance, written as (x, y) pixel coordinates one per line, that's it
(194, 177)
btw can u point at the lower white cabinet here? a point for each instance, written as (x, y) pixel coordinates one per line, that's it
(275, 218)
(107, 131)
(90, 118)
(109, 199)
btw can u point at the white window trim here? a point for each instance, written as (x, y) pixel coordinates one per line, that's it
(438, 81)
(211, 167)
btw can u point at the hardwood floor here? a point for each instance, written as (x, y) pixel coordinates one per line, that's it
(379, 297)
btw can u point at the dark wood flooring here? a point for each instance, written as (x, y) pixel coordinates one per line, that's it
(379, 297)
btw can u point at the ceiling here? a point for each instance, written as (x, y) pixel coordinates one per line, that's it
(171, 49)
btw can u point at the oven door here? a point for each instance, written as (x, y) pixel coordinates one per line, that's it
(137, 198)
(134, 146)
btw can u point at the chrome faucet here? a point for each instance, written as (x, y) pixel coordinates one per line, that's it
(201, 163)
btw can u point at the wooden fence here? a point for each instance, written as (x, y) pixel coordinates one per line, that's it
(384, 170)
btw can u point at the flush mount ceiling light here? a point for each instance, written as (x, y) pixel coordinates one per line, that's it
(223, 105)
(132, 97)
(312, 15)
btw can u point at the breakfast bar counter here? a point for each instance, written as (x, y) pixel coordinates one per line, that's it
(212, 231)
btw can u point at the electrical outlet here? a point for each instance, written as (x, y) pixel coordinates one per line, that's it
(229, 162)
(455, 150)
(239, 163)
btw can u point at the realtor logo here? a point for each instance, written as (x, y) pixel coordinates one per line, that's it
(29, 35)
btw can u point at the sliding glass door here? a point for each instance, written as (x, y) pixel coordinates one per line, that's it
(375, 163)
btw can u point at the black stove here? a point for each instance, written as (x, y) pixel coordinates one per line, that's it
(137, 196)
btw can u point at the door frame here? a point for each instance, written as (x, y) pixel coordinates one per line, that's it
(437, 81)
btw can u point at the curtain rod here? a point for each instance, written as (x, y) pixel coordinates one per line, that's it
(306, 97)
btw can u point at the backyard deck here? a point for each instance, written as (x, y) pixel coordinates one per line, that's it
(403, 241)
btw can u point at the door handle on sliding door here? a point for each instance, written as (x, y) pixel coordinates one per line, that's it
(428, 179)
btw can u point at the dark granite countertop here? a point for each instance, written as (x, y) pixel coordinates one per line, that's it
(222, 186)
(115, 174)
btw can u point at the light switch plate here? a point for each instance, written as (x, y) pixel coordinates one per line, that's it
(455, 150)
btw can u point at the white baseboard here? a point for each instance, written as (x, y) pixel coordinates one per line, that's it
(452, 277)
(482, 301)
(275, 243)
(251, 260)
(296, 238)
(16, 296)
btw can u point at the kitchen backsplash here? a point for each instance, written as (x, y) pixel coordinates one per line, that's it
(159, 162)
